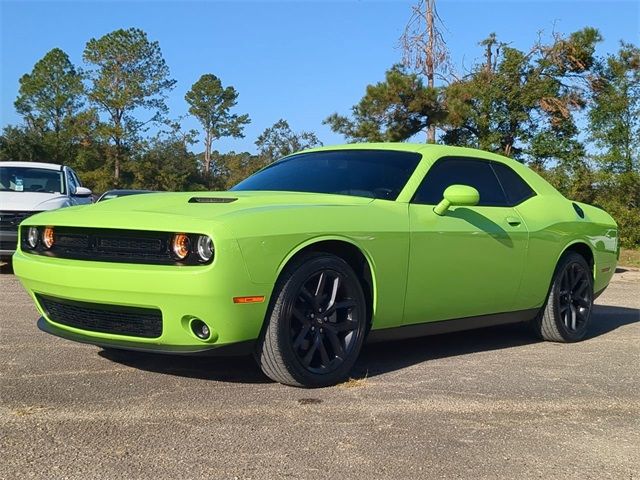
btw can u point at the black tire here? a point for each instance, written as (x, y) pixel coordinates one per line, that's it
(312, 339)
(566, 315)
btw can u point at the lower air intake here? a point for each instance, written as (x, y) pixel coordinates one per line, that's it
(104, 318)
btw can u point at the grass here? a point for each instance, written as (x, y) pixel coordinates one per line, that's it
(629, 258)
(28, 410)
(354, 383)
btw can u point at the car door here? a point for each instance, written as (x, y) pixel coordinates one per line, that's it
(470, 260)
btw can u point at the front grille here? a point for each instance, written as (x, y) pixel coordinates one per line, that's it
(9, 220)
(104, 318)
(130, 244)
(113, 245)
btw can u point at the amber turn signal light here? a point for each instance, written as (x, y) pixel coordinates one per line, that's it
(248, 299)
(181, 246)
(48, 237)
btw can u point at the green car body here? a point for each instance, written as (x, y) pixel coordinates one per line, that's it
(481, 263)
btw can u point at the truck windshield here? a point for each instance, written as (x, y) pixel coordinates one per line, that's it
(28, 179)
(364, 173)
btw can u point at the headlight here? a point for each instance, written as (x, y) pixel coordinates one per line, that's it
(32, 237)
(204, 248)
(181, 246)
(48, 237)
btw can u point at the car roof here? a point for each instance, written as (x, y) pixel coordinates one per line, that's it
(46, 166)
(427, 149)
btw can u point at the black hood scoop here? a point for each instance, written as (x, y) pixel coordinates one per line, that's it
(212, 200)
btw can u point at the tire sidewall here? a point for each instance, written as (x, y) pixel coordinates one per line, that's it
(296, 278)
(565, 262)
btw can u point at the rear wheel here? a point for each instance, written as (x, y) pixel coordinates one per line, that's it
(567, 313)
(316, 323)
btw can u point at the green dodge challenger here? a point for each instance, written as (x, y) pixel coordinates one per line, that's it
(318, 252)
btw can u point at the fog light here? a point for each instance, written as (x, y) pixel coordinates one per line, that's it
(204, 248)
(200, 329)
(48, 237)
(32, 237)
(181, 246)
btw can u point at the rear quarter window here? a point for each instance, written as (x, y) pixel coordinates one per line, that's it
(515, 188)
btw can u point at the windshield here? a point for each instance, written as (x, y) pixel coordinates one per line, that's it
(27, 179)
(363, 173)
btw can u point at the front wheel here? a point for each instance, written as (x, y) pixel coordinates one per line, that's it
(566, 315)
(316, 323)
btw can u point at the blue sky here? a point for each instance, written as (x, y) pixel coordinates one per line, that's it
(298, 60)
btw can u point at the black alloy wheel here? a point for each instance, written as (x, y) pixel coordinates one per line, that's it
(575, 297)
(323, 322)
(567, 312)
(316, 323)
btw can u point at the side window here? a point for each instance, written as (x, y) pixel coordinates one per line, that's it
(461, 171)
(516, 189)
(71, 183)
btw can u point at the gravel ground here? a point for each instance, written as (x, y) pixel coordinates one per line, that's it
(490, 403)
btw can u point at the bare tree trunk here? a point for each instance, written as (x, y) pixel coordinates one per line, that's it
(424, 48)
(116, 173)
(118, 142)
(488, 61)
(116, 165)
(207, 153)
(429, 55)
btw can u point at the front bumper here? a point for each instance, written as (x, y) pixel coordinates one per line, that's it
(180, 293)
(241, 348)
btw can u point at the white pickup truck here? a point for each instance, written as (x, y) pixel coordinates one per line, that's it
(27, 188)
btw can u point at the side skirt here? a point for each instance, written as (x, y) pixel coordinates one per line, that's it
(448, 326)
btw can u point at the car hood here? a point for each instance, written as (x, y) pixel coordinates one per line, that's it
(214, 204)
(30, 201)
(186, 210)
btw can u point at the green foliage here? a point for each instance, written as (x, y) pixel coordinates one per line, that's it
(21, 144)
(234, 167)
(165, 165)
(614, 119)
(391, 111)
(50, 100)
(51, 95)
(520, 104)
(279, 141)
(211, 103)
(127, 73)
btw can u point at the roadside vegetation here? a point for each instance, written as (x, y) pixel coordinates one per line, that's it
(558, 106)
(629, 258)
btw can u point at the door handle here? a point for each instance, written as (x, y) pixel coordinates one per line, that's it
(513, 221)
